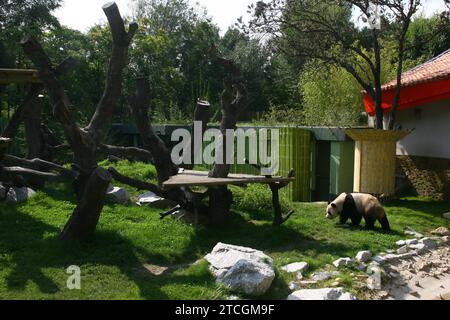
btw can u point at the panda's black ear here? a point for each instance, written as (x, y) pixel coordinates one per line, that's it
(334, 205)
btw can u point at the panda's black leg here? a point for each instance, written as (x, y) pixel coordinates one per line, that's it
(356, 221)
(343, 219)
(370, 223)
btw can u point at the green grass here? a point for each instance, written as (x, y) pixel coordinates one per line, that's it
(33, 261)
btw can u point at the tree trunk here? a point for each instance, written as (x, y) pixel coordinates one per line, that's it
(233, 99)
(83, 222)
(92, 182)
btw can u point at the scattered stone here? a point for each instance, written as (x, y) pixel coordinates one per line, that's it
(442, 231)
(293, 286)
(361, 267)
(321, 276)
(445, 240)
(428, 243)
(379, 259)
(420, 248)
(383, 294)
(363, 256)
(424, 266)
(17, 195)
(374, 283)
(117, 195)
(321, 294)
(446, 215)
(241, 269)
(411, 241)
(295, 267)
(343, 262)
(403, 250)
(299, 276)
(155, 270)
(413, 233)
(401, 243)
(151, 199)
(233, 298)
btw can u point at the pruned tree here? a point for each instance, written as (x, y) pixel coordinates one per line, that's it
(233, 100)
(324, 30)
(92, 182)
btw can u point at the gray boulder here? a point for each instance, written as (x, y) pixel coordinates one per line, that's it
(363, 256)
(442, 231)
(17, 195)
(428, 243)
(446, 215)
(117, 195)
(250, 277)
(241, 269)
(321, 294)
(2, 192)
(343, 262)
(295, 267)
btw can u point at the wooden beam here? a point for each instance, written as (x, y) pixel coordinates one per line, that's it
(8, 76)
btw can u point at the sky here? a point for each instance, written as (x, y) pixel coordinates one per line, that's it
(82, 14)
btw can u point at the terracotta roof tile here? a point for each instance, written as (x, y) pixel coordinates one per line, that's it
(436, 69)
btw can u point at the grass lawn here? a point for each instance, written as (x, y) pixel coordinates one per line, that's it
(33, 261)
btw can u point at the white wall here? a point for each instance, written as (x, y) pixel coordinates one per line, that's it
(431, 137)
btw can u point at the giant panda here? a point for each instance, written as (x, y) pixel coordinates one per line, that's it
(355, 206)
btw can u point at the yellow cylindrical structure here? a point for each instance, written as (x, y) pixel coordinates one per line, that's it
(375, 160)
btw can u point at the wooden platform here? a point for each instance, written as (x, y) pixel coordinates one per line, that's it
(200, 178)
(19, 76)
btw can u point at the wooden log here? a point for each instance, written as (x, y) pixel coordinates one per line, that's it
(126, 152)
(82, 224)
(139, 101)
(37, 164)
(138, 184)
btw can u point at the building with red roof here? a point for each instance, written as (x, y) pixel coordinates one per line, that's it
(424, 109)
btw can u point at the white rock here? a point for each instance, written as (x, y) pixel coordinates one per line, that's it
(379, 259)
(321, 276)
(321, 294)
(343, 262)
(445, 240)
(446, 215)
(241, 269)
(299, 276)
(403, 250)
(420, 248)
(442, 231)
(401, 243)
(117, 195)
(428, 243)
(17, 195)
(363, 256)
(411, 241)
(361, 267)
(295, 267)
(151, 199)
(250, 277)
(293, 286)
(413, 233)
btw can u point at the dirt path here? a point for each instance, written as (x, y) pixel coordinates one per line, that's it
(423, 277)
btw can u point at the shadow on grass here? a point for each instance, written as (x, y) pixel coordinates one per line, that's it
(33, 246)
